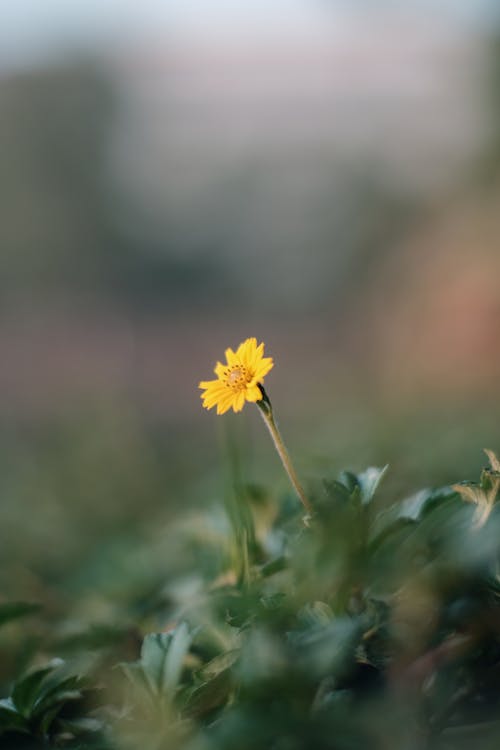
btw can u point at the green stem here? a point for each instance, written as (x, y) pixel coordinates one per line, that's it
(266, 410)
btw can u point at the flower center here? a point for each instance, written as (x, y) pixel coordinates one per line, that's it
(237, 377)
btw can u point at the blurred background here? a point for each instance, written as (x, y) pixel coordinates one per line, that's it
(176, 176)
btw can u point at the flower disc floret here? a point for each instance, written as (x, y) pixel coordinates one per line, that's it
(237, 380)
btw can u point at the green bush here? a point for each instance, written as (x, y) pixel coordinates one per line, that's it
(366, 626)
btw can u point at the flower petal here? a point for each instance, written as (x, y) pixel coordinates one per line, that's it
(231, 357)
(253, 393)
(239, 401)
(224, 405)
(263, 368)
(220, 369)
(208, 383)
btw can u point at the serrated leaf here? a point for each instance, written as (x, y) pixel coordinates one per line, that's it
(14, 610)
(162, 657)
(153, 654)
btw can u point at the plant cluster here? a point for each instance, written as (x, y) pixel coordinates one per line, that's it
(364, 624)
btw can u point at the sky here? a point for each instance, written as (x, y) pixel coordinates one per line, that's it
(34, 30)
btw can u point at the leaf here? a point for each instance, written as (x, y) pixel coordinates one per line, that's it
(177, 650)
(422, 502)
(162, 657)
(315, 614)
(336, 490)
(360, 487)
(83, 725)
(274, 566)
(348, 481)
(153, 654)
(219, 664)
(14, 610)
(210, 695)
(328, 649)
(391, 528)
(58, 696)
(47, 719)
(10, 718)
(26, 690)
(369, 481)
(134, 672)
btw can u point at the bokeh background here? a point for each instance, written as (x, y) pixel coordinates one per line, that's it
(176, 176)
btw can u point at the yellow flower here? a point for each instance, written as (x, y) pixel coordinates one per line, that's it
(237, 380)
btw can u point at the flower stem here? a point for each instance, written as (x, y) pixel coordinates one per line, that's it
(266, 411)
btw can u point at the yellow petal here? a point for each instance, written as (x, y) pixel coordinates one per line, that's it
(231, 357)
(224, 406)
(219, 369)
(239, 401)
(246, 352)
(263, 368)
(247, 346)
(253, 393)
(208, 383)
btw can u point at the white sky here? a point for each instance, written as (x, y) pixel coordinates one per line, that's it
(31, 30)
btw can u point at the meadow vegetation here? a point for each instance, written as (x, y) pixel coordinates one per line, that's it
(373, 622)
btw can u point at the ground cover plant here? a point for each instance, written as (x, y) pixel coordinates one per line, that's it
(326, 617)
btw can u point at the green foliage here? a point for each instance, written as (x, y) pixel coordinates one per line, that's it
(13, 610)
(48, 705)
(377, 625)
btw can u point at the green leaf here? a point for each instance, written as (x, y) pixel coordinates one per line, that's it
(210, 695)
(177, 650)
(134, 672)
(162, 657)
(48, 718)
(328, 649)
(14, 610)
(349, 481)
(424, 501)
(314, 614)
(340, 491)
(10, 718)
(58, 696)
(26, 690)
(153, 654)
(369, 481)
(84, 725)
(274, 566)
(219, 664)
